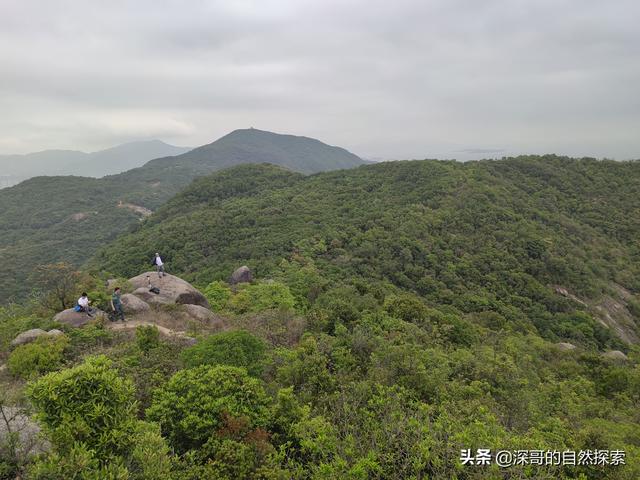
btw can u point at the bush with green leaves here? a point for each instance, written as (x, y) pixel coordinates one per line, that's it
(236, 348)
(218, 294)
(89, 403)
(88, 414)
(44, 354)
(194, 404)
(147, 337)
(257, 297)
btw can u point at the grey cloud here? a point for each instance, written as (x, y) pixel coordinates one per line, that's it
(408, 78)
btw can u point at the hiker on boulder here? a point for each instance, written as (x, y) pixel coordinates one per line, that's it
(157, 261)
(116, 305)
(83, 304)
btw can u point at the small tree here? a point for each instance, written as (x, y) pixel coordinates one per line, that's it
(58, 281)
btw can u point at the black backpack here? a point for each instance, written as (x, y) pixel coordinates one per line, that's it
(155, 290)
(153, 261)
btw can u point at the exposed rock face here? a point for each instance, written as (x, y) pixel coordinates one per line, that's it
(616, 355)
(76, 319)
(31, 335)
(172, 290)
(565, 346)
(132, 304)
(241, 275)
(611, 310)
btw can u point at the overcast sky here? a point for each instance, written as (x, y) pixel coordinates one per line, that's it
(387, 79)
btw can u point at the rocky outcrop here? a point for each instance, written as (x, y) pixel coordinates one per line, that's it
(566, 346)
(33, 334)
(77, 319)
(611, 310)
(132, 304)
(172, 290)
(241, 275)
(615, 355)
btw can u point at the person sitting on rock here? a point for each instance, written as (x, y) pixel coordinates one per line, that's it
(157, 261)
(116, 305)
(83, 303)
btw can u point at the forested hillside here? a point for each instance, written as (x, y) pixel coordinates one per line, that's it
(402, 317)
(478, 237)
(49, 219)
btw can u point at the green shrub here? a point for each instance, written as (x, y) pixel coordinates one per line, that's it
(237, 348)
(88, 337)
(258, 297)
(149, 458)
(194, 404)
(407, 307)
(43, 355)
(218, 295)
(87, 404)
(147, 337)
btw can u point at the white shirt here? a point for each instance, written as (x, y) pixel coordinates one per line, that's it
(83, 302)
(159, 261)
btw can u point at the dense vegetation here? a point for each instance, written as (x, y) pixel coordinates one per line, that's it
(51, 219)
(486, 238)
(400, 314)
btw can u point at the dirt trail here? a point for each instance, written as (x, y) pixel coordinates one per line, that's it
(133, 324)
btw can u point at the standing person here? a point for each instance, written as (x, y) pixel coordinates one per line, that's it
(116, 305)
(157, 261)
(83, 303)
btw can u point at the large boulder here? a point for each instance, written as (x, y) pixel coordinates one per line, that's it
(204, 315)
(132, 304)
(241, 275)
(566, 346)
(172, 290)
(77, 319)
(27, 337)
(615, 355)
(148, 297)
(31, 335)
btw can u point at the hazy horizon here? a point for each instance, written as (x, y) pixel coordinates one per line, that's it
(412, 79)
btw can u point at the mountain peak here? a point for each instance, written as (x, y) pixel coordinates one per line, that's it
(251, 145)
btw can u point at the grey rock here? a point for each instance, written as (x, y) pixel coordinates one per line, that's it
(77, 319)
(241, 275)
(565, 346)
(172, 290)
(616, 355)
(55, 332)
(27, 337)
(133, 304)
(29, 440)
(204, 316)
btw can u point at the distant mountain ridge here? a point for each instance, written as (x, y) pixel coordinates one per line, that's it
(95, 164)
(296, 153)
(63, 218)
